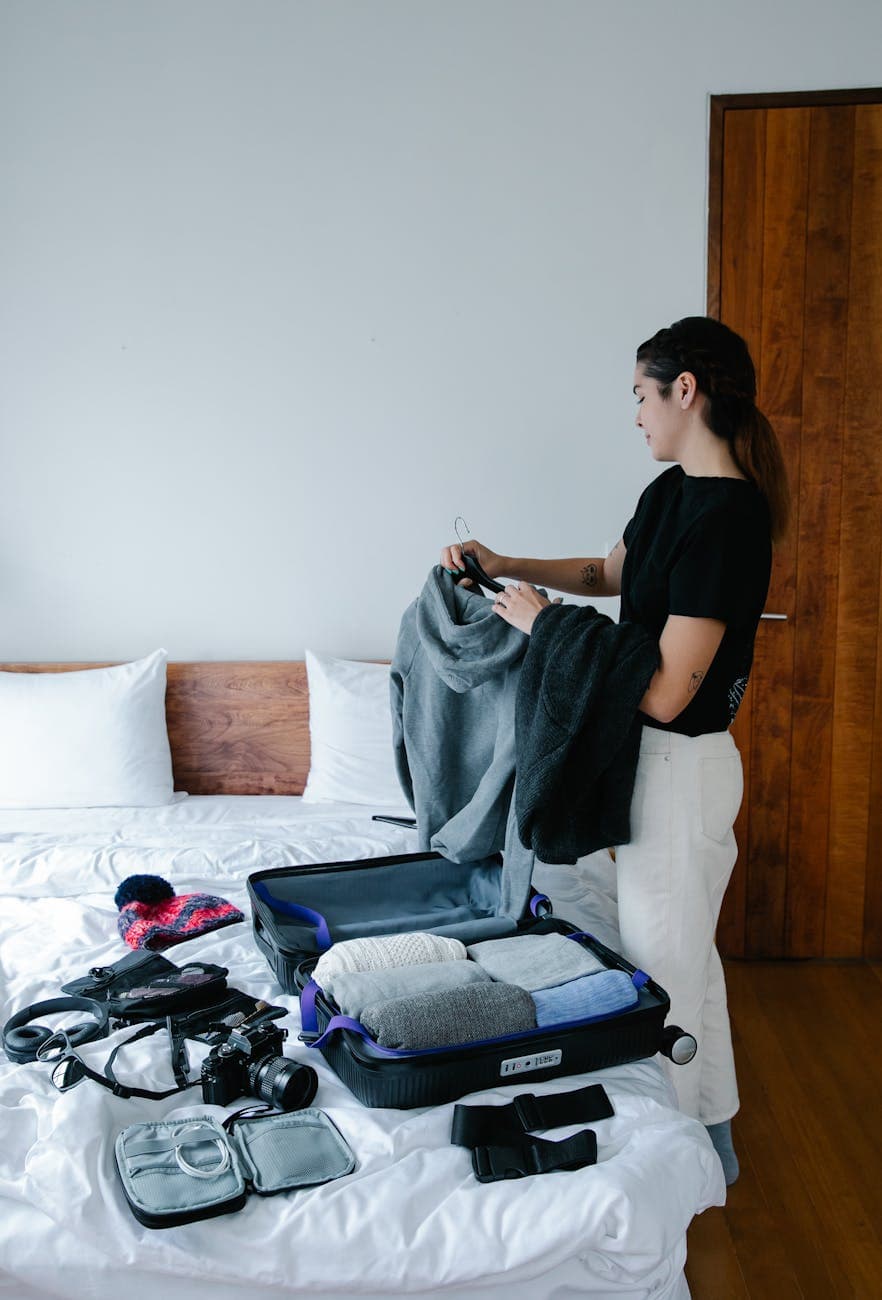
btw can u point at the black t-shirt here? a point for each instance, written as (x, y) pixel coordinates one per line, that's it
(701, 547)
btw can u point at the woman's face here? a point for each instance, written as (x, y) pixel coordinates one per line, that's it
(663, 421)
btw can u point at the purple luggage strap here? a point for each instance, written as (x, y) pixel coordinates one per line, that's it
(322, 932)
(309, 1023)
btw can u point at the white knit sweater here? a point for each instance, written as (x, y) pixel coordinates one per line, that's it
(385, 950)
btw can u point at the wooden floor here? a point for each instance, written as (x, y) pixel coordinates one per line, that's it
(805, 1217)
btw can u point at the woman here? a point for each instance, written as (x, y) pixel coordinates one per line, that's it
(693, 568)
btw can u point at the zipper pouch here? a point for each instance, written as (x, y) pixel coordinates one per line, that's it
(178, 1171)
(147, 986)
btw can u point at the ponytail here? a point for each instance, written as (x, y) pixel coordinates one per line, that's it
(724, 372)
(758, 455)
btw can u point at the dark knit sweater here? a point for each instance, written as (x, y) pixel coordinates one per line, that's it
(577, 730)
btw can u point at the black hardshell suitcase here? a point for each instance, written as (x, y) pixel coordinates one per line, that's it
(299, 911)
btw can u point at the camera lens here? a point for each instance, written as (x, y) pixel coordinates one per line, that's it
(282, 1083)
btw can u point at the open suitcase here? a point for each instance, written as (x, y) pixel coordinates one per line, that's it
(300, 911)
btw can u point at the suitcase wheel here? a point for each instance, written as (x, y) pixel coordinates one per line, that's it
(677, 1045)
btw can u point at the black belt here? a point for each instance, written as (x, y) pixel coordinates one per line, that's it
(500, 1141)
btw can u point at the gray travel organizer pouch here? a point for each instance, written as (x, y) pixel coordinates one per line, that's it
(178, 1171)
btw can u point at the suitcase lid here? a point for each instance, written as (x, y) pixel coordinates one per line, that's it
(301, 910)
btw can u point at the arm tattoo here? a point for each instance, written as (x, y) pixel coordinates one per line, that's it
(694, 682)
(589, 575)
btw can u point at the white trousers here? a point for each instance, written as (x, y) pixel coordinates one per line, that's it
(671, 881)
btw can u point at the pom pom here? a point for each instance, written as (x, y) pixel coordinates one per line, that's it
(142, 889)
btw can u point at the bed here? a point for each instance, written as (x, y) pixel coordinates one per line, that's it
(410, 1219)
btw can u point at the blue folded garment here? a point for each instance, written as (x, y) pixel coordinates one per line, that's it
(593, 995)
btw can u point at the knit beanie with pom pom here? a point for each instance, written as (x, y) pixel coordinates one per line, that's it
(152, 915)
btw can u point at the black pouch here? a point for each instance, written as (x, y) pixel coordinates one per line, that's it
(178, 1171)
(147, 986)
(102, 982)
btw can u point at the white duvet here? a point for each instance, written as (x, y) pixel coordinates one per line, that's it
(411, 1219)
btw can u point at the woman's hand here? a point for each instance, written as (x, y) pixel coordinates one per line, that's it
(451, 558)
(519, 605)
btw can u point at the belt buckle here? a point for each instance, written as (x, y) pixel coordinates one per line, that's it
(494, 1163)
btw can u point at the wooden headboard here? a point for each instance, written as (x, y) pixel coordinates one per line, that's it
(234, 728)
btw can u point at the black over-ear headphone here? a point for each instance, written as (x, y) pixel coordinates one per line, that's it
(22, 1040)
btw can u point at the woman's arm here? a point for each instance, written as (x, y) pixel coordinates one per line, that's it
(687, 647)
(577, 577)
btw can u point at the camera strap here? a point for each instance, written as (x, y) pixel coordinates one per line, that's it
(202, 1024)
(143, 990)
(72, 1069)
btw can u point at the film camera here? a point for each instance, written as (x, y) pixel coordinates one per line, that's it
(250, 1062)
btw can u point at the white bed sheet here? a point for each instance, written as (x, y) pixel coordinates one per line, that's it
(411, 1219)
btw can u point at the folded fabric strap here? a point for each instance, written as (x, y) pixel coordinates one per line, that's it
(354, 992)
(583, 999)
(500, 1135)
(535, 961)
(470, 1014)
(534, 1155)
(383, 951)
(475, 1126)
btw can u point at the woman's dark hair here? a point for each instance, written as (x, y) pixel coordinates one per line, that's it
(724, 373)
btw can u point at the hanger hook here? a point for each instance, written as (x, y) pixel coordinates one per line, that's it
(457, 521)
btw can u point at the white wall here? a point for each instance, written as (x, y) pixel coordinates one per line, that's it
(288, 284)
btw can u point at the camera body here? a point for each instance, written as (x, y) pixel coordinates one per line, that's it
(235, 1068)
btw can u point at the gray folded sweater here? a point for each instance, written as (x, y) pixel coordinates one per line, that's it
(353, 991)
(535, 961)
(464, 1015)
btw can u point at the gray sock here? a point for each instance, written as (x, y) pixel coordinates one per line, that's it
(721, 1136)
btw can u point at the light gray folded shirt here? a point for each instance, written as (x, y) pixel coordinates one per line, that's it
(464, 1015)
(354, 990)
(535, 961)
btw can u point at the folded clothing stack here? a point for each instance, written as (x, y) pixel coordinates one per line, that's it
(416, 990)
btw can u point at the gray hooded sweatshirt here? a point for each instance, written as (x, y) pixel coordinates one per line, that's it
(454, 682)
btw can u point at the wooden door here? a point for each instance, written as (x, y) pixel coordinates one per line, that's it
(795, 266)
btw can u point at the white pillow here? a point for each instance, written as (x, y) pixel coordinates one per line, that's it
(350, 733)
(85, 739)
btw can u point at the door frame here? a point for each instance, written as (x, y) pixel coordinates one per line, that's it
(719, 106)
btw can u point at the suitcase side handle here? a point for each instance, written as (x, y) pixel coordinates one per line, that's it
(322, 932)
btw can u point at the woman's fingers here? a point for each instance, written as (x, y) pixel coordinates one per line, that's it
(451, 559)
(519, 605)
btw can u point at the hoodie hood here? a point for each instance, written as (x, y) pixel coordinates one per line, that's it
(463, 639)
